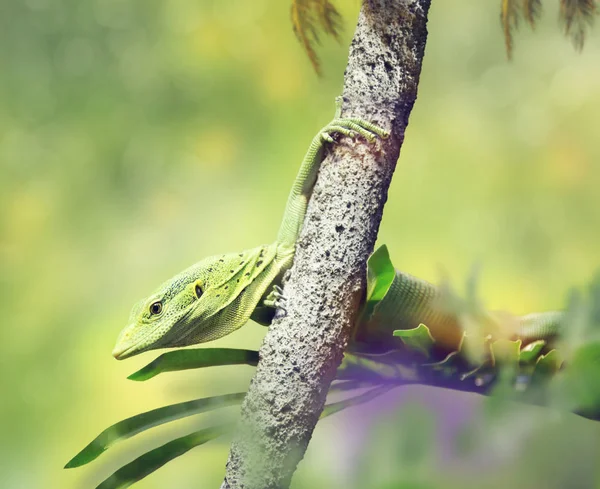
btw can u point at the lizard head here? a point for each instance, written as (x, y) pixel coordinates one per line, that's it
(208, 300)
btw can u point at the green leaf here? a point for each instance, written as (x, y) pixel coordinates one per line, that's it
(380, 274)
(195, 358)
(582, 379)
(154, 459)
(376, 368)
(349, 385)
(475, 348)
(418, 338)
(530, 352)
(336, 407)
(356, 366)
(449, 365)
(136, 424)
(141, 422)
(144, 465)
(547, 365)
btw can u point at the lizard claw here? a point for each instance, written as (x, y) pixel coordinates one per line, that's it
(276, 299)
(351, 127)
(326, 137)
(280, 299)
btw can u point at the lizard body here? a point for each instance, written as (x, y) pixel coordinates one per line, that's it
(407, 331)
(410, 301)
(219, 294)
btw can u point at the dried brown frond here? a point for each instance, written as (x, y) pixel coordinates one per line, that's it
(307, 15)
(330, 18)
(509, 17)
(532, 9)
(303, 25)
(577, 17)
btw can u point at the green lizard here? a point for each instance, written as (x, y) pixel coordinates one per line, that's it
(219, 294)
(408, 331)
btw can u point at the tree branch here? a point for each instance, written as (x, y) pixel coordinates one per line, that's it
(301, 351)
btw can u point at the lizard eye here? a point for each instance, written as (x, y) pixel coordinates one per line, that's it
(156, 308)
(198, 291)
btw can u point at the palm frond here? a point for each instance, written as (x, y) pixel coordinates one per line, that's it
(330, 18)
(306, 16)
(532, 10)
(577, 16)
(509, 17)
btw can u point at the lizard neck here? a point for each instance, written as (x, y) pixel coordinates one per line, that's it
(284, 258)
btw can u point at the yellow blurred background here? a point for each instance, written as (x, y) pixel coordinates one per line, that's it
(138, 136)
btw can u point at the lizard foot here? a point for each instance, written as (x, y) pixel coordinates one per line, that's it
(351, 127)
(276, 299)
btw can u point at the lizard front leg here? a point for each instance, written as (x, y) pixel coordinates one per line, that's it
(293, 217)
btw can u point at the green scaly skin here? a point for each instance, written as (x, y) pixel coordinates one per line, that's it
(411, 301)
(407, 331)
(219, 294)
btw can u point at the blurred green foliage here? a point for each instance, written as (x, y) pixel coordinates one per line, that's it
(138, 136)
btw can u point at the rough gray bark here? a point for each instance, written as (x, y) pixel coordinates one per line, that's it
(301, 351)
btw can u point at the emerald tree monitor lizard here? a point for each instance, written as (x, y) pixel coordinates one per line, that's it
(220, 294)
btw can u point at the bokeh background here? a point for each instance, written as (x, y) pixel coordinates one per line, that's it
(138, 136)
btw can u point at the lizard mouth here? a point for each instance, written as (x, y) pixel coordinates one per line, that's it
(130, 342)
(121, 352)
(128, 345)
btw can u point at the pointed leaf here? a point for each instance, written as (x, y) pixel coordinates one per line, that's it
(418, 338)
(154, 459)
(195, 358)
(475, 348)
(348, 385)
(582, 379)
(376, 368)
(380, 274)
(449, 365)
(479, 372)
(336, 407)
(530, 352)
(141, 422)
(136, 424)
(548, 364)
(355, 366)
